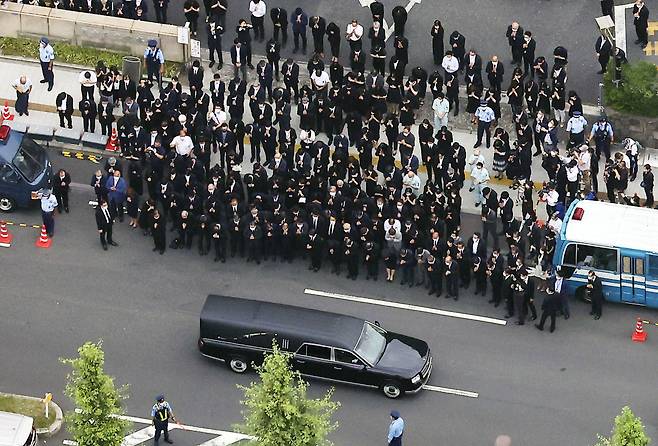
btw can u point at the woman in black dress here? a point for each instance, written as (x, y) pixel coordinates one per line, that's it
(437, 42)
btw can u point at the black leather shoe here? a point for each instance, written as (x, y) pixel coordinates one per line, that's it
(539, 328)
(104, 247)
(212, 62)
(113, 243)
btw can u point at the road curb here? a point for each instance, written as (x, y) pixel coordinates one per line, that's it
(59, 416)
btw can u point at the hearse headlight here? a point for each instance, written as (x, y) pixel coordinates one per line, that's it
(415, 379)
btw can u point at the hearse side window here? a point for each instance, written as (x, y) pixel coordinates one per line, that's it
(346, 357)
(315, 351)
(652, 269)
(597, 257)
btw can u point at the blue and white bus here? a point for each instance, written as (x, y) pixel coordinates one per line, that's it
(619, 242)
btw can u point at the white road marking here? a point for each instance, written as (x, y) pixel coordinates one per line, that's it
(386, 303)
(388, 30)
(465, 393)
(202, 430)
(143, 435)
(620, 25)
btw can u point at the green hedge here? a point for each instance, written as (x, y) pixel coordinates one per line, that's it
(73, 54)
(638, 94)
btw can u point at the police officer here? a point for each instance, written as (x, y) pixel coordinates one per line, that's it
(161, 413)
(154, 60)
(46, 56)
(603, 135)
(48, 205)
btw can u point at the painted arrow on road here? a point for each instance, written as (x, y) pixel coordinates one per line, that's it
(389, 30)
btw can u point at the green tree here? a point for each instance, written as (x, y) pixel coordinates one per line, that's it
(278, 412)
(98, 402)
(638, 91)
(628, 431)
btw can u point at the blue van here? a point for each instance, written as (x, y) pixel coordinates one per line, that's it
(25, 169)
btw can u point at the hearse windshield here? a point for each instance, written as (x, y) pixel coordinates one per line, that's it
(30, 159)
(371, 343)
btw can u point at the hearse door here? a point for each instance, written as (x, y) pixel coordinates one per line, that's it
(347, 367)
(314, 360)
(633, 279)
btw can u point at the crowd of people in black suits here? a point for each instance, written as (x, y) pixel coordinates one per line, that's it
(309, 197)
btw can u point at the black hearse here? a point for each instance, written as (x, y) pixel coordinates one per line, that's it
(323, 345)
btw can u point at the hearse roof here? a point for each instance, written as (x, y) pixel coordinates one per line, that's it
(303, 324)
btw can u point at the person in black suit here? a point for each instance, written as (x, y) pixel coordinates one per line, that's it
(507, 291)
(452, 278)
(239, 59)
(290, 70)
(377, 11)
(529, 45)
(61, 185)
(105, 116)
(603, 50)
(495, 72)
(515, 39)
(316, 247)
(279, 18)
(195, 79)
(641, 22)
(159, 232)
(104, 222)
(88, 111)
(595, 293)
(399, 14)
(529, 285)
(64, 103)
(549, 307)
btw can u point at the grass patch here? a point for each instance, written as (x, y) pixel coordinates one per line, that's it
(31, 408)
(638, 93)
(72, 54)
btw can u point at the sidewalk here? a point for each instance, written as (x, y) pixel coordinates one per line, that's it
(43, 112)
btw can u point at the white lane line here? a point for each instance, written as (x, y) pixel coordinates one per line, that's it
(620, 25)
(465, 393)
(386, 303)
(202, 430)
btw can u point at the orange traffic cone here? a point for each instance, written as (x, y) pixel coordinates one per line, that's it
(43, 241)
(5, 236)
(113, 142)
(6, 114)
(640, 335)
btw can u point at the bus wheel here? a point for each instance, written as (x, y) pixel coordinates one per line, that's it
(581, 294)
(238, 364)
(7, 204)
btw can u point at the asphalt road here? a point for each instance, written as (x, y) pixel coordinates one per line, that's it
(541, 388)
(483, 23)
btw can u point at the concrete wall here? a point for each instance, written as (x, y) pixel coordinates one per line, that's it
(90, 30)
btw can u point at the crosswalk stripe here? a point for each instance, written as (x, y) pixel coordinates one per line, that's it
(223, 438)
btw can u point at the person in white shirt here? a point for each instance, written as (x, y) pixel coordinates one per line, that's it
(441, 107)
(258, 8)
(412, 181)
(23, 87)
(450, 63)
(584, 165)
(319, 81)
(555, 224)
(87, 79)
(353, 35)
(182, 143)
(474, 158)
(479, 180)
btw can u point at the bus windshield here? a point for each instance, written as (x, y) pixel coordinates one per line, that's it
(371, 344)
(30, 159)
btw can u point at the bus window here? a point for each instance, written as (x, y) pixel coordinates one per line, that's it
(570, 255)
(626, 265)
(653, 266)
(639, 267)
(597, 257)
